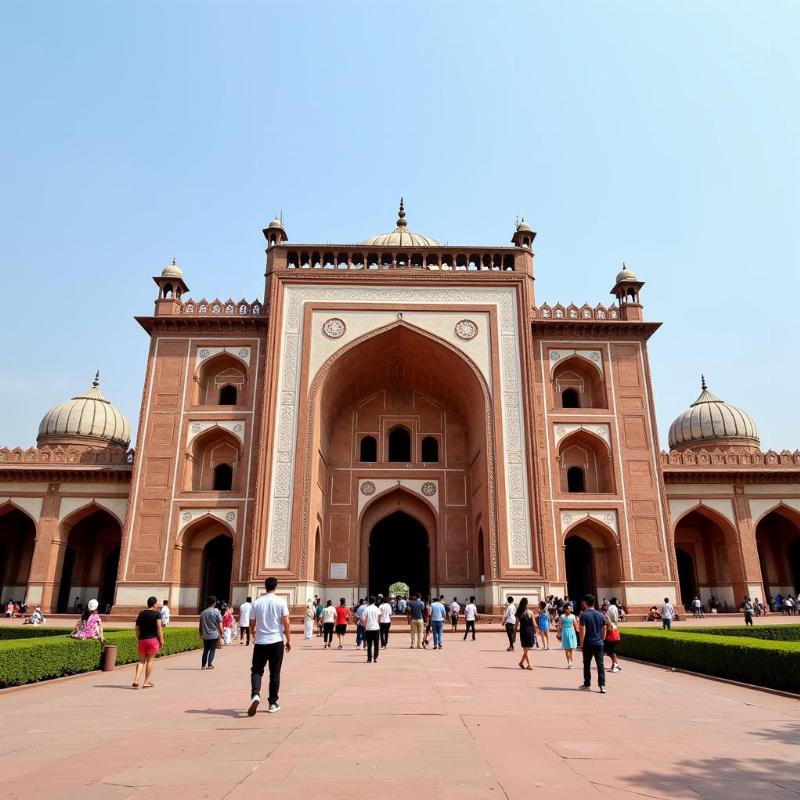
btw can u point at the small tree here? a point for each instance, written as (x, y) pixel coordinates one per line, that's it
(398, 588)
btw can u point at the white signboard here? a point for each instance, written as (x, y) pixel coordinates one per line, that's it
(338, 571)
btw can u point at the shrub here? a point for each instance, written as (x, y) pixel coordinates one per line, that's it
(774, 664)
(32, 632)
(778, 633)
(42, 657)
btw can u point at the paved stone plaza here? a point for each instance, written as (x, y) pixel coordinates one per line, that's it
(462, 723)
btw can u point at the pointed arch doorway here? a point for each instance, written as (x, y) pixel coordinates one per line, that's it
(398, 551)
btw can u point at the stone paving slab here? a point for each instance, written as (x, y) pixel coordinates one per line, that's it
(463, 722)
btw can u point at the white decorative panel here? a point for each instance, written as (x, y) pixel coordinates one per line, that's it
(189, 515)
(606, 516)
(31, 505)
(117, 506)
(592, 356)
(598, 430)
(441, 323)
(234, 426)
(761, 507)
(371, 487)
(204, 353)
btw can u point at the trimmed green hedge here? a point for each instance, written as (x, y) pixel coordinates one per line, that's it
(774, 664)
(42, 657)
(777, 633)
(32, 632)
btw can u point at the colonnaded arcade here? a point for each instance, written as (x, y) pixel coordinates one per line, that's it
(396, 410)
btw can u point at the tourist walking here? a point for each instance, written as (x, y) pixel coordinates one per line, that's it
(150, 639)
(269, 624)
(164, 614)
(667, 615)
(455, 610)
(427, 621)
(372, 630)
(385, 621)
(342, 618)
(697, 608)
(416, 621)
(359, 627)
(210, 632)
(510, 622)
(244, 620)
(227, 624)
(747, 607)
(592, 633)
(328, 624)
(543, 625)
(318, 615)
(308, 619)
(470, 615)
(526, 626)
(568, 634)
(438, 616)
(611, 640)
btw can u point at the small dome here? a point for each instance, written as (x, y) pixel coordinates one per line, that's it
(523, 227)
(276, 223)
(88, 416)
(400, 236)
(172, 271)
(626, 274)
(711, 420)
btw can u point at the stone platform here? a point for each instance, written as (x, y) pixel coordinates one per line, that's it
(462, 723)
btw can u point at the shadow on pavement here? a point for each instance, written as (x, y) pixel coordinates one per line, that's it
(235, 713)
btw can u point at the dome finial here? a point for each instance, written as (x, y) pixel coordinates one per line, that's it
(401, 215)
(96, 381)
(703, 386)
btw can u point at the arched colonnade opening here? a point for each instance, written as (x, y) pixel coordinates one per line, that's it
(204, 563)
(592, 562)
(778, 543)
(17, 538)
(89, 562)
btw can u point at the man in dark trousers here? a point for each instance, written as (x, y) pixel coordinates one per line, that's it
(269, 625)
(593, 634)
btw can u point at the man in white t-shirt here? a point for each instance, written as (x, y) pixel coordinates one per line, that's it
(470, 615)
(370, 619)
(510, 622)
(244, 620)
(269, 624)
(164, 614)
(667, 615)
(455, 610)
(385, 621)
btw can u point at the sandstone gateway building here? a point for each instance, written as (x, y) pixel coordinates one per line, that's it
(396, 410)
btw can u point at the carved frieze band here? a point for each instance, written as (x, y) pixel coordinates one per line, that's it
(607, 517)
(518, 521)
(234, 426)
(592, 356)
(189, 515)
(204, 353)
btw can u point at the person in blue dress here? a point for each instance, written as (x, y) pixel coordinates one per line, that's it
(567, 634)
(543, 624)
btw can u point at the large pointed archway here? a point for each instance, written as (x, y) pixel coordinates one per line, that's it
(400, 408)
(17, 537)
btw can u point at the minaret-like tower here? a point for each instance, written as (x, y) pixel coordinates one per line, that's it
(523, 235)
(171, 287)
(275, 233)
(626, 290)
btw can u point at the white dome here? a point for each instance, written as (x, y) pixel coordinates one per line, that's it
(400, 236)
(710, 419)
(626, 274)
(89, 416)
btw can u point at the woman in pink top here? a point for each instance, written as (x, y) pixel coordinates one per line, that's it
(227, 625)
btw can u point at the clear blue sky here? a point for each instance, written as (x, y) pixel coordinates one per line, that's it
(664, 134)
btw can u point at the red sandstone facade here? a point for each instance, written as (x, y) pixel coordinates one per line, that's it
(398, 410)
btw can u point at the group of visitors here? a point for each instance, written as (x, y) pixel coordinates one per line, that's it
(19, 610)
(786, 605)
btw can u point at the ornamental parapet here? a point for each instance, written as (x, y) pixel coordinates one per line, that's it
(371, 259)
(716, 459)
(572, 312)
(58, 456)
(217, 307)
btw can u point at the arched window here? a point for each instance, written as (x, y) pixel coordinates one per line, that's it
(369, 449)
(227, 395)
(570, 399)
(575, 480)
(430, 449)
(399, 445)
(223, 477)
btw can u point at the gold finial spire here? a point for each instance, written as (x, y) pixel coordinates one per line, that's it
(703, 386)
(96, 381)
(401, 216)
